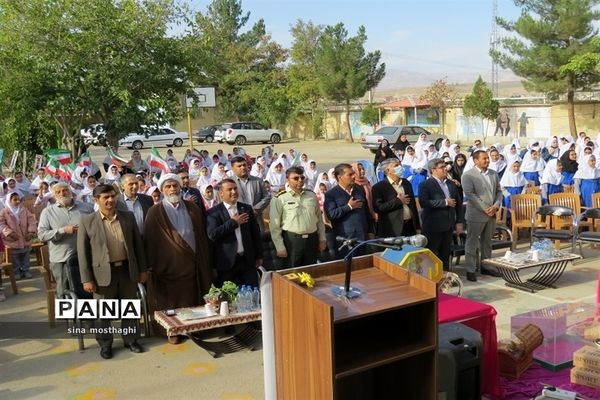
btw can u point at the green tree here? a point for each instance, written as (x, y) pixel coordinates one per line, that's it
(345, 70)
(370, 115)
(549, 34)
(245, 66)
(303, 82)
(74, 61)
(480, 103)
(585, 63)
(438, 95)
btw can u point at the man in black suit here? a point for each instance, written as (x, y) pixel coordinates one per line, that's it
(346, 208)
(111, 262)
(233, 228)
(442, 210)
(394, 203)
(189, 193)
(137, 203)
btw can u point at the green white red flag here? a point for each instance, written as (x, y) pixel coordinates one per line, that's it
(117, 159)
(51, 168)
(66, 172)
(156, 162)
(84, 160)
(61, 155)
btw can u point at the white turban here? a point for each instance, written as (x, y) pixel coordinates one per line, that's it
(169, 177)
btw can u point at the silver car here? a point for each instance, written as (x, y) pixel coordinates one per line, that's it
(241, 133)
(392, 134)
(153, 137)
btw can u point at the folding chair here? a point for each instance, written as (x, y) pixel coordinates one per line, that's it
(592, 215)
(546, 212)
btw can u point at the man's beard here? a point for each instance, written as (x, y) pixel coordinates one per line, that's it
(65, 200)
(173, 198)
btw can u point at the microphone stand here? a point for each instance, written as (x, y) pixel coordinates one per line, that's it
(352, 292)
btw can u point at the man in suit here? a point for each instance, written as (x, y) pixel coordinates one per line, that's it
(442, 210)
(111, 261)
(189, 193)
(137, 203)
(394, 203)
(232, 227)
(482, 189)
(346, 207)
(251, 189)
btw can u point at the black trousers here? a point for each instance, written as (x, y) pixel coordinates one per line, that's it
(301, 249)
(439, 243)
(408, 228)
(121, 287)
(241, 273)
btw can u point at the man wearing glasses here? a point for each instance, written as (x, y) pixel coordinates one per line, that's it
(296, 222)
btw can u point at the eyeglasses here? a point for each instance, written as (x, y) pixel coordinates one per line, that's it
(298, 178)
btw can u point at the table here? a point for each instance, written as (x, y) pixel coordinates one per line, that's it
(482, 318)
(248, 338)
(549, 271)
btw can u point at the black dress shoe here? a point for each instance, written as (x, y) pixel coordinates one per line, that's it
(134, 347)
(472, 276)
(106, 352)
(490, 272)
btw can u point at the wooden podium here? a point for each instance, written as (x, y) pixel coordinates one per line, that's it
(382, 344)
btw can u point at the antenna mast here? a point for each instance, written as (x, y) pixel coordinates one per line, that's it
(494, 43)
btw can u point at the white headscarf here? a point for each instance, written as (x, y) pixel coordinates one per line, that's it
(407, 159)
(276, 179)
(110, 177)
(585, 171)
(497, 166)
(203, 179)
(311, 174)
(551, 175)
(421, 143)
(444, 148)
(531, 165)
(217, 176)
(322, 180)
(511, 157)
(8, 204)
(194, 168)
(510, 179)
(259, 168)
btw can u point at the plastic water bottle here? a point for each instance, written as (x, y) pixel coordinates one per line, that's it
(240, 299)
(255, 299)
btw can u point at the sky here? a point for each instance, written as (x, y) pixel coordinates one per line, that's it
(420, 40)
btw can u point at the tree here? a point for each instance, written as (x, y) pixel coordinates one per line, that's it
(246, 67)
(480, 103)
(345, 71)
(551, 33)
(303, 82)
(586, 63)
(370, 115)
(438, 94)
(77, 61)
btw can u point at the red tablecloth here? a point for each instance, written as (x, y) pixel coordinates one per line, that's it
(481, 317)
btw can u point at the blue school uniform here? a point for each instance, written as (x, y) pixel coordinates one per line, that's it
(587, 188)
(552, 189)
(416, 180)
(533, 176)
(568, 177)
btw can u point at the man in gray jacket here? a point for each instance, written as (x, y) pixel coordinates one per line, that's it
(251, 189)
(481, 187)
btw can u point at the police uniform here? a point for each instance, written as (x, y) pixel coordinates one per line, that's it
(296, 225)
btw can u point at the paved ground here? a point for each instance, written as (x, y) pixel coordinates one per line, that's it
(49, 366)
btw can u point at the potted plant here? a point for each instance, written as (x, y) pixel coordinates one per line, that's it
(229, 291)
(213, 297)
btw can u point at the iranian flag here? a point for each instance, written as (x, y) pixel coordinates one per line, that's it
(66, 171)
(296, 161)
(61, 155)
(117, 159)
(52, 168)
(84, 160)
(157, 163)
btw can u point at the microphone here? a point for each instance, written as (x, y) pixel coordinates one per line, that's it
(344, 240)
(416, 240)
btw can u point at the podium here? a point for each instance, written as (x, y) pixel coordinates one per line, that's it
(382, 344)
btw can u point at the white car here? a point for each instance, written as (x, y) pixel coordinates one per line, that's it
(241, 133)
(154, 137)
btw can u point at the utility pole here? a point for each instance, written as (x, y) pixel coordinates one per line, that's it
(494, 43)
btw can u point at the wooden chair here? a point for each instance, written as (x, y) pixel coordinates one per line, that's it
(570, 200)
(596, 204)
(50, 284)
(523, 207)
(533, 190)
(7, 267)
(569, 188)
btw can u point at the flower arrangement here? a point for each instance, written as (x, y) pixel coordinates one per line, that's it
(306, 280)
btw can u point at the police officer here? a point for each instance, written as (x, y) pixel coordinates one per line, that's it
(296, 222)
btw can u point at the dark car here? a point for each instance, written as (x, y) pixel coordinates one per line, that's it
(206, 133)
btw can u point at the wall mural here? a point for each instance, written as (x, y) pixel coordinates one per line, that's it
(513, 122)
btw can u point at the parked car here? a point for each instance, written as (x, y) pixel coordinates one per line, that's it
(245, 132)
(392, 134)
(156, 137)
(206, 133)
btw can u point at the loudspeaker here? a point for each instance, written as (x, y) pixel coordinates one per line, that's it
(459, 355)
